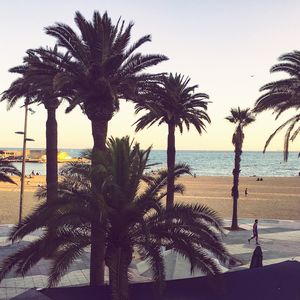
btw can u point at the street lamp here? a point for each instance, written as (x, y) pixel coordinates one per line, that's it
(25, 139)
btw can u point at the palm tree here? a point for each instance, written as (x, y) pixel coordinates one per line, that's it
(173, 102)
(241, 118)
(102, 70)
(36, 85)
(282, 95)
(6, 168)
(135, 220)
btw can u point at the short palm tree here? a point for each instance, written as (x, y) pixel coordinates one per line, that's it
(36, 85)
(7, 169)
(173, 102)
(241, 118)
(282, 95)
(102, 70)
(136, 220)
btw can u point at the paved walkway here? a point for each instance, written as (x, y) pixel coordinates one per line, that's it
(280, 241)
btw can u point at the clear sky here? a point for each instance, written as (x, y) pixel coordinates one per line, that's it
(219, 44)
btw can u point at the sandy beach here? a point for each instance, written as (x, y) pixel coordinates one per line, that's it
(272, 198)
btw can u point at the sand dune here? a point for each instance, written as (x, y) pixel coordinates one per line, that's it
(272, 198)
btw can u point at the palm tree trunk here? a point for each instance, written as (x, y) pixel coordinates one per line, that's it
(171, 165)
(118, 263)
(97, 265)
(235, 187)
(51, 153)
(99, 131)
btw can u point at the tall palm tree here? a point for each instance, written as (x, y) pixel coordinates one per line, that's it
(102, 70)
(7, 169)
(241, 118)
(36, 85)
(282, 95)
(173, 102)
(136, 220)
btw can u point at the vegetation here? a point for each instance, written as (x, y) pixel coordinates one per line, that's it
(36, 86)
(102, 69)
(173, 102)
(7, 169)
(102, 205)
(241, 118)
(283, 95)
(135, 220)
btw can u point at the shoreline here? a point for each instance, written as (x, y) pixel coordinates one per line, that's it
(274, 198)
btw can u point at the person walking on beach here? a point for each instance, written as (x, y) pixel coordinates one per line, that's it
(255, 233)
(246, 192)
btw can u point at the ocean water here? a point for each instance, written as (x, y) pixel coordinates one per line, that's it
(212, 163)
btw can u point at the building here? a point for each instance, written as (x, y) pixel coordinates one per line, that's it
(13, 154)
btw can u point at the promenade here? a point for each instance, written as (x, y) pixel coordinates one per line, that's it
(280, 241)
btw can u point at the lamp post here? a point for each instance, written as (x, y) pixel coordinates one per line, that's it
(25, 139)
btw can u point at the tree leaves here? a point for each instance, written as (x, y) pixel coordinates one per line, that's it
(283, 95)
(135, 218)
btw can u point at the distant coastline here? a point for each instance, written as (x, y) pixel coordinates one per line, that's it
(181, 150)
(208, 163)
(36, 156)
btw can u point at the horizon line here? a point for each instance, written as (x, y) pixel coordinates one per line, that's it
(198, 150)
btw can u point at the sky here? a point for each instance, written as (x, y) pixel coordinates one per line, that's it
(226, 47)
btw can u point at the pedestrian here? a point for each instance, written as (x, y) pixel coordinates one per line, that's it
(255, 233)
(246, 192)
(257, 258)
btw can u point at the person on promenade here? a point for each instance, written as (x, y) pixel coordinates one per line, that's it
(255, 233)
(257, 258)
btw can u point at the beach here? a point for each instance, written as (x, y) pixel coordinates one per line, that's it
(272, 198)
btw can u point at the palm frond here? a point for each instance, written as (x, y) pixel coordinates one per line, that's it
(292, 121)
(63, 260)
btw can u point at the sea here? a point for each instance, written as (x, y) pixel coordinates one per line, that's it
(211, 163)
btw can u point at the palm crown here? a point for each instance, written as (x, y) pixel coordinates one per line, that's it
(173, 101)
(282, 95)
(103, 68)
(241, 117)
(37, 74)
